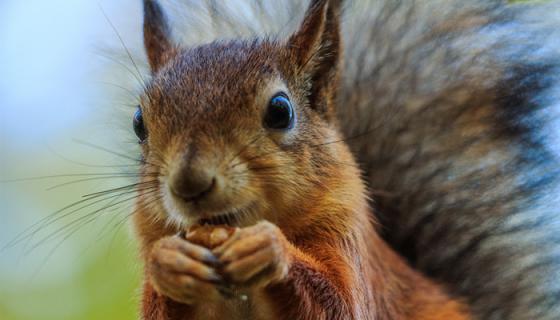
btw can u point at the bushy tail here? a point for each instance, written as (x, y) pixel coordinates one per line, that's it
(460, 100)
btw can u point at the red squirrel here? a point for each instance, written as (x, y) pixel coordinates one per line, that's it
(244, 133)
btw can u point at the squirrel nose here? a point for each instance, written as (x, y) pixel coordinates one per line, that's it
(192, 185)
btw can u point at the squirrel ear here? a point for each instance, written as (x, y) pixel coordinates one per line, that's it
(316, 50)
(157, 35)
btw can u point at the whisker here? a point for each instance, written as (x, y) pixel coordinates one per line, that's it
(52, 218)
(145, 204)
(89, 164)
(247, 146)
(116, 228)
(125, 67)
(83, 219)
(91, 145)
(130, 186)
(89, 179)
(126, 216)
(29, 231)
(310, 146)
(67, 236)
(132, 94)
(75, 175)
(39, 243)
(124, 46)
(111, 220)
(106, 230)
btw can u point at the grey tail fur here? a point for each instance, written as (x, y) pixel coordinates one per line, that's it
(462, 99)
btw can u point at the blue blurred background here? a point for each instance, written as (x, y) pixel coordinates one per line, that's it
(61, 66)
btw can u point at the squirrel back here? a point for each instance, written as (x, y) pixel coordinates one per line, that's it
(449, 108)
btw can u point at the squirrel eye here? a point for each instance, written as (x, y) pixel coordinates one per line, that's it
(280, 113)
(138, 125)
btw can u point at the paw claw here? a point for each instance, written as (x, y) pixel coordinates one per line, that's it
(183, 271)
(254, 255)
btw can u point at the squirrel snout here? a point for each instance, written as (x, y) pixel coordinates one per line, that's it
(192, 184)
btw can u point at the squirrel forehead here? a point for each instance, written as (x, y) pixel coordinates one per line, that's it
(216, 71)
(229, 82)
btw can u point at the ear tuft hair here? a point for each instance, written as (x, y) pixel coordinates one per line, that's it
(317, 51)
(157, 35)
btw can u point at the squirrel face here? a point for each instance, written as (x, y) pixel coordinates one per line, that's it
(238, 131)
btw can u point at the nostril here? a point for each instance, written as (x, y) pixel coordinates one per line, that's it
(193, 186)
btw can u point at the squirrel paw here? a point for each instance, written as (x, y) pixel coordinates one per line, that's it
(255, 256)
(183, 271)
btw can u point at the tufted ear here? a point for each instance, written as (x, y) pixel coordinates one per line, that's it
(157, 35)
(316, 50)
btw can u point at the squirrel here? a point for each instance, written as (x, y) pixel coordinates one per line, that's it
(448, 108)
(244, 134)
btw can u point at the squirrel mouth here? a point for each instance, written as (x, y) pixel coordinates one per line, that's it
(234, 217)
(227, 219)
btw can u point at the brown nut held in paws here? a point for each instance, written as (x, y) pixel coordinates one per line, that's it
(183, 271)
(209, 236)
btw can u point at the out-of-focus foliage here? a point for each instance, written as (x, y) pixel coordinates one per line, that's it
(58, 84)
(104, 287)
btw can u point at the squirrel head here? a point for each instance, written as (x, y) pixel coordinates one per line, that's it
(239, 131)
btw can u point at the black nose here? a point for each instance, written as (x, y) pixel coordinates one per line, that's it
(192, 184)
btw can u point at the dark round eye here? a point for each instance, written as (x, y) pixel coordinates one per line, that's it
(138, 125)
(280, 113)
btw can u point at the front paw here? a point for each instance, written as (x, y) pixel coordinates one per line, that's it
(255, 256)
(183, 271)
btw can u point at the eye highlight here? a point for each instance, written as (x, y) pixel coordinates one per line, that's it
(280, 113)
(138, 125)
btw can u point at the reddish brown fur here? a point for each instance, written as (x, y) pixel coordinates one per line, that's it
(327, 260)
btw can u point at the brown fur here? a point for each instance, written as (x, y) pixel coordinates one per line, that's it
(324, 259)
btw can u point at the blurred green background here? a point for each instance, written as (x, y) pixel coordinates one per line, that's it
(62, 65)
(64, 80)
